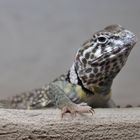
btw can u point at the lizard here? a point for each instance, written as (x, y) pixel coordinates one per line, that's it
(88, 82)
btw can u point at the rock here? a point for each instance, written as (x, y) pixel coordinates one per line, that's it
(110, 124)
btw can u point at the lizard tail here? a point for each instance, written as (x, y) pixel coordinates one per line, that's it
(36, 99)
(5, 104)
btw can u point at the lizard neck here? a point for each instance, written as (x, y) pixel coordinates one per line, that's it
(74, 78)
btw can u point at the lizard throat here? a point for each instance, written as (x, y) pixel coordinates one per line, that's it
(72, 75)
(73, 78)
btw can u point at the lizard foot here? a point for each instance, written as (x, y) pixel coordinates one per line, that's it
(73, 109)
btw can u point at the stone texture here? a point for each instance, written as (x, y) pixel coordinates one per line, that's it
(105, 124)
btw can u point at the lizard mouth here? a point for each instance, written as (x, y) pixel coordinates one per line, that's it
(114, 53)
(110, 54)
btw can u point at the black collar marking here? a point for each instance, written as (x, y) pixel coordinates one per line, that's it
(87, 91)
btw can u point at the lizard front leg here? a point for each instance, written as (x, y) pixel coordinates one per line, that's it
(59, 98)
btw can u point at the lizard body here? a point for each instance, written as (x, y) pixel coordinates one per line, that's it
(90, 78)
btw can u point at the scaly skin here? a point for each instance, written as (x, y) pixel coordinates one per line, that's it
(90, 78)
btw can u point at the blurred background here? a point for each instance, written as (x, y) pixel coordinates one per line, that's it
(39, 39)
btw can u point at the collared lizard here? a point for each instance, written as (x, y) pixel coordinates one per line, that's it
(90, 78)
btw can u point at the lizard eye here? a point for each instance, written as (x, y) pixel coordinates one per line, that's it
(102, 39)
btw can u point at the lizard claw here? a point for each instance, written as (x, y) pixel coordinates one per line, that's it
(73, 109)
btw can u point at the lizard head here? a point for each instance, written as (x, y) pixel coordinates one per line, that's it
(101, 58)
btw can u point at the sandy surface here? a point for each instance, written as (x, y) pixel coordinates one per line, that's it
(107, 124)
